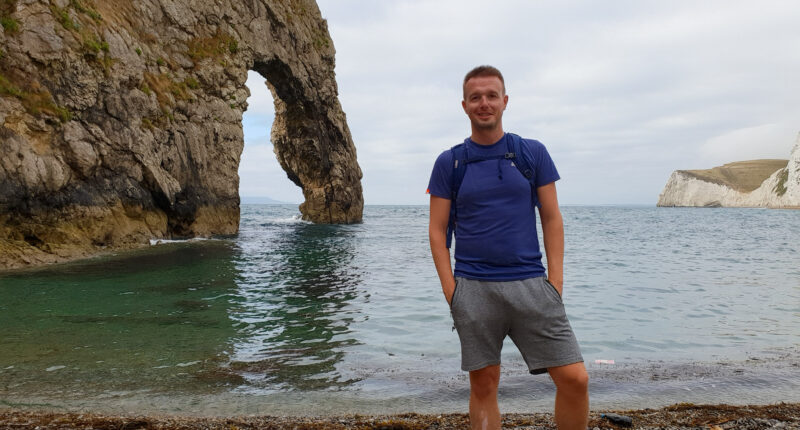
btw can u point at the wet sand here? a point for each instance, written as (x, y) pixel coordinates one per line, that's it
(679, 416)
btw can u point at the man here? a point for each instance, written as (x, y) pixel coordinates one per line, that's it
(500, 286)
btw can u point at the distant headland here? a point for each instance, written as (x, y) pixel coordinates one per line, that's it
(755, 183)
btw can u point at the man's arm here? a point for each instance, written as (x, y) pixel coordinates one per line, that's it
(553, 231)
(437, 234)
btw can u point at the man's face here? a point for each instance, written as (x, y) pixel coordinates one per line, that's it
(484, 102)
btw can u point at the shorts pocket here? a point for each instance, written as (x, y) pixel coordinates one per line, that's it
(453, 298)
(553, 289)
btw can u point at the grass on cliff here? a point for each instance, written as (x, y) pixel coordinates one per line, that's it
(9, 24)
(221, 43)
(36, 99)
(167, 91)
(321, 41)
(743, 176)
(780, 187)
(81, 7)
(96, 50)
(94, 45)
(82, 18)
(86, 8)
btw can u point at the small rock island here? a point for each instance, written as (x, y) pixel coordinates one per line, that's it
(756, 183)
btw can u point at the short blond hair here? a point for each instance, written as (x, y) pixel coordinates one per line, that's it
(484, 70)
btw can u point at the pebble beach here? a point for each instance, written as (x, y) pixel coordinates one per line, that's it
(678, 416)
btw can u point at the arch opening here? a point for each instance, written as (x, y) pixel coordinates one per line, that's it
(262, 180)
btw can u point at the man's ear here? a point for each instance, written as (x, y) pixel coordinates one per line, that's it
(464, 105)
(505, 101)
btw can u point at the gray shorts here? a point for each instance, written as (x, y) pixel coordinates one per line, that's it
(530, 311)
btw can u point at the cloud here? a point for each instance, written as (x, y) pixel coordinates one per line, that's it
(260, 101)
(621, 93)
(762, 141)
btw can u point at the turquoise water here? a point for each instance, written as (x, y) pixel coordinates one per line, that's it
(696, 305)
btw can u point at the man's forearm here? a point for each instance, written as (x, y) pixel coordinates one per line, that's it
(553, 231)
(441, 259)
(437, 235)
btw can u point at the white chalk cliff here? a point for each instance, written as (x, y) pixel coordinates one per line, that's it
(740, 184)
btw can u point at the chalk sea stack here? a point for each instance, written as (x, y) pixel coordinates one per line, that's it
(121, 121)
(756, 183)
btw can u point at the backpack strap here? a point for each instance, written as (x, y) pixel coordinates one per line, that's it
(460, 160)
(524, 163)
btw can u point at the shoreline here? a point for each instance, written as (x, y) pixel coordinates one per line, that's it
(767, 378)
(677, 416)
(14, 259)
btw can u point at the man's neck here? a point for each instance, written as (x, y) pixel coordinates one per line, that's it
(487, 137)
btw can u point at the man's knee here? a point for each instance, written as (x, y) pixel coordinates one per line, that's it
(571, 377)
(579, 380)
(483, 382)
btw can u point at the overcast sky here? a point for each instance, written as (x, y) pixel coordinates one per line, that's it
(622, 93)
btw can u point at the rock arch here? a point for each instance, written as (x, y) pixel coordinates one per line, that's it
(120, 121)
(313, 145)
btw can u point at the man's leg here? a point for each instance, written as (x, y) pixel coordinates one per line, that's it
(484, 413)
(572, 396)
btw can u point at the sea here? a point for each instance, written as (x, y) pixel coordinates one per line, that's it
(669, 305)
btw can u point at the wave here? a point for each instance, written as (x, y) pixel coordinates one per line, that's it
(154, 242)
(294, 219)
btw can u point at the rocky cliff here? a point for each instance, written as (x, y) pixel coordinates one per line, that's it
(758, 183)
(120, 121)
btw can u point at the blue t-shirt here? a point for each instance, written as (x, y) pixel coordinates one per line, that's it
(496, 237)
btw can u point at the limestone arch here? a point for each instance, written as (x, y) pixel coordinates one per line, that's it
(138, 134)
(313, 145)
